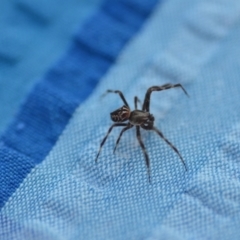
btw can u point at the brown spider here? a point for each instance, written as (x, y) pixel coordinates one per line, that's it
(139, 118)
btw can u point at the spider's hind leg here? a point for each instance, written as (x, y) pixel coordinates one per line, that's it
(171, 145)
(144, 152)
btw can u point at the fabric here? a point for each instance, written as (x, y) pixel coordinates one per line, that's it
(53, 100)
(33, 35)
(68, 196)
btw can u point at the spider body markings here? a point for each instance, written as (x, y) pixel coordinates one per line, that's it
(139, 119)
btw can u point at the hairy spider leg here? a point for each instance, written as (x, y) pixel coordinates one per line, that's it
(109, 131)
(159, 88)
(120, 135)
(136, 100)
(170, 144)
(144, 152)
(120, 94)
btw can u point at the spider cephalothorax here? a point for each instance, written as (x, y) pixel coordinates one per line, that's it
(139, 119)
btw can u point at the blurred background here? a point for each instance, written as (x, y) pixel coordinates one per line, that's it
(33, 36)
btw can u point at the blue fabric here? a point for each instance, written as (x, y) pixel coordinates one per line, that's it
(51, 103)
(33, 34)
(68, 196)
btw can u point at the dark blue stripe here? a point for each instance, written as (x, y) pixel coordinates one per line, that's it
(51, 103)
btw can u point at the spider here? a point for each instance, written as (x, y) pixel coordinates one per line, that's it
(140, 119)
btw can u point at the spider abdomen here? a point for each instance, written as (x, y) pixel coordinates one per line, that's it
(139, 117)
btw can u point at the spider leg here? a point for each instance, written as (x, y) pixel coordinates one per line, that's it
(120, 94)
(171, 145)
(120, 135)
(136, 100)
(109, 131)
(144, 152)
(159, 88)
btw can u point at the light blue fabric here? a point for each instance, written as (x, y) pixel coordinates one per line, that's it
(33, 34)
(68, 196)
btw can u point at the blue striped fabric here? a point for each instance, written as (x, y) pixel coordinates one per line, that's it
(33, 35)
(50, 104)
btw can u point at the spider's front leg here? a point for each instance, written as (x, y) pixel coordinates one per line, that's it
(119, 93)
(120, 135)
(136, 101)
(109, 131)
(159, 88)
